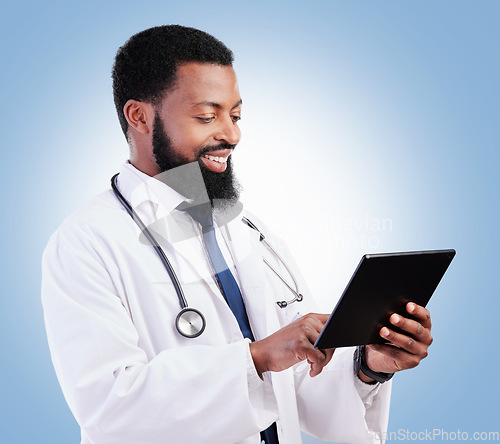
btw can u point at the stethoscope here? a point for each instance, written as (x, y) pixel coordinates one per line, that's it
(190, 322)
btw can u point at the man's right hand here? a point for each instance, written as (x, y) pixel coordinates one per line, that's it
(291, 345)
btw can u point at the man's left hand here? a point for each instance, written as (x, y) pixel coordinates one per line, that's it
(404, 350)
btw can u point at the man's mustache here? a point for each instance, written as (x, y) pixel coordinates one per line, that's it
(221, 146)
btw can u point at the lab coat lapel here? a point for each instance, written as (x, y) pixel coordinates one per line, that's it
(194, 264)
(259, 304)
(261, 309)
(182, 244)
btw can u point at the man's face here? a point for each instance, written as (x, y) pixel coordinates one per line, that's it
(197, 121)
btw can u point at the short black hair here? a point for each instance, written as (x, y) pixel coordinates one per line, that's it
(146, 65)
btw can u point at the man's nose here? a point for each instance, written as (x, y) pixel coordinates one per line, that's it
(228, 132)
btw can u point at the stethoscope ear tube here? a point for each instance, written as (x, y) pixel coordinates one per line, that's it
(298, 296)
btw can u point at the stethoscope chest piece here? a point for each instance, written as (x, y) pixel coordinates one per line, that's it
(190, 322)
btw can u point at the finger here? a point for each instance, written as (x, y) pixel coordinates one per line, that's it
(319, 318)
(311, 326)
(308, 336)
(318, 359)
(329, 354)
(404, 342)
(314, 321)
(420, 313)
(416, 329)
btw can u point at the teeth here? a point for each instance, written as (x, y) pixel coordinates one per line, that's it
(216, 158)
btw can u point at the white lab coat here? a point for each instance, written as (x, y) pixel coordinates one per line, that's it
(127, 374)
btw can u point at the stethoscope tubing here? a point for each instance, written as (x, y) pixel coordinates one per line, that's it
(154, 243)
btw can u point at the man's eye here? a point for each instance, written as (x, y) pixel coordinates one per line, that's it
(206, 119)
(235, 118)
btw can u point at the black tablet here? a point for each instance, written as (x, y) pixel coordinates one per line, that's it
(382, 285)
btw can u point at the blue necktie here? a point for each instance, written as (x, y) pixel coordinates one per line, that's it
(229, 288)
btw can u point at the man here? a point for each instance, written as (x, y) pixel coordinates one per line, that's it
(250, 372)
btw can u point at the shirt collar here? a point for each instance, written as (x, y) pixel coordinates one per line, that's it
(144, 191)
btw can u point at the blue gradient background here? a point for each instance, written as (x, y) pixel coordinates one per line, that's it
(368, 126)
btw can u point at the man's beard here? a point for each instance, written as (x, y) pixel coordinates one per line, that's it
(222, 188)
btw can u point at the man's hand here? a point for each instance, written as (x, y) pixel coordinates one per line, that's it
(292, 344)
(404, 351)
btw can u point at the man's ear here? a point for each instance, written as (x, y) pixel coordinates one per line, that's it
(139, 115)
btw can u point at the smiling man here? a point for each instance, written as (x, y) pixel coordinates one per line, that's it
(164, 306)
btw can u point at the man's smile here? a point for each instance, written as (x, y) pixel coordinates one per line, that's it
(216, 161)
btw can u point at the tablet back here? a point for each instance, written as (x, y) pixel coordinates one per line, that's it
(382, 285)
